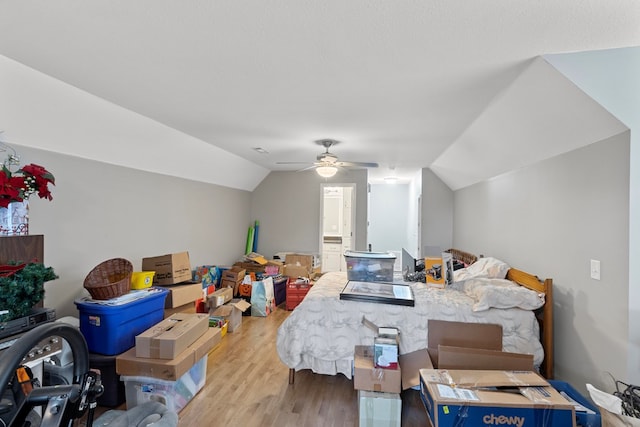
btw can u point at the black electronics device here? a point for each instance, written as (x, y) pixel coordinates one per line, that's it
(37, 317)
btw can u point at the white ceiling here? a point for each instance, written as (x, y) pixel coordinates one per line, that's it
(398, 82)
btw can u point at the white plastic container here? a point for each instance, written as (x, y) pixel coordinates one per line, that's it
(173, 394)
(370, 266)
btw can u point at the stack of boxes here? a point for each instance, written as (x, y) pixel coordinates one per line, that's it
(173, 273)
(378, 378)
(377, 372)
(299, 269)
(169, 361)
(465, 375)
(301, 265)
(232, 278)
(110, 327)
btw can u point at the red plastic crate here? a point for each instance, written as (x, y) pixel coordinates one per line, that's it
(296, 293)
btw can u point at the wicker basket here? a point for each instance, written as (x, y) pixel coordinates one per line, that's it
(109, 279)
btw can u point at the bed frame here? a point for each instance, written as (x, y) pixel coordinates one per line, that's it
(543, 314)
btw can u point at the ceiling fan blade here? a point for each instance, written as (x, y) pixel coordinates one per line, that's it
(358, 164)
(295, 163)
(307, 168)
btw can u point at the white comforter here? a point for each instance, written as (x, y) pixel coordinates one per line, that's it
(320, 334)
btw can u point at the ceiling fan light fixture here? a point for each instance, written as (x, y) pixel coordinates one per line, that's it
(326, 171)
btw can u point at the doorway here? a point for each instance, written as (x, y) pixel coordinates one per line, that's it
(337, 213)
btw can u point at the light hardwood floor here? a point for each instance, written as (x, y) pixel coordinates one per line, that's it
(247, 385)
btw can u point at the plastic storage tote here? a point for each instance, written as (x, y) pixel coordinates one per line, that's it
(173, 394)
(112, 329)
(370, 266)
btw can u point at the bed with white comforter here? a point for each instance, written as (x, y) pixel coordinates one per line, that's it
(320, 334)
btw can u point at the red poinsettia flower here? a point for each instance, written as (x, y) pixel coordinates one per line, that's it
(18, 186)
(42, 179)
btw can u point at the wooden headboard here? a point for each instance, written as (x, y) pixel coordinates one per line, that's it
(466, 257)
(543, 314)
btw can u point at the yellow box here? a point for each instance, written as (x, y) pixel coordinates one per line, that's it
(224, 329)
(142, 279)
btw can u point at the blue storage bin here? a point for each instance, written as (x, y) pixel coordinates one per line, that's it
(582, 418)
(111, 330)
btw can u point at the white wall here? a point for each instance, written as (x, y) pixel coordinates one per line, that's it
(287, 204)
(388, 217)
(437, 212)
(39, 111)
(551, 219)
(414, 215)
(610, 77)
(101, 211)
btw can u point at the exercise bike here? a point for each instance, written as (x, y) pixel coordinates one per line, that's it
(62, 404)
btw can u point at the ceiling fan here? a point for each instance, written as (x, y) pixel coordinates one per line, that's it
(327, 164)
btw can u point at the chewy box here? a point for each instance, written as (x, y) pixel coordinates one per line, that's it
(111, 330)
(370, 266)
(492, 398)
(173, 394)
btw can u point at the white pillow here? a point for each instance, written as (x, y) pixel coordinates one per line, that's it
(501, 293)
(483, 267)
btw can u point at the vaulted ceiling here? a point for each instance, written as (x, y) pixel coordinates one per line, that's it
(407, 84)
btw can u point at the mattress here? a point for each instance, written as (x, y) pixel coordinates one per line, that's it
(321, 333)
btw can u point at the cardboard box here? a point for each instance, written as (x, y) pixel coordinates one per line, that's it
(447, 268)
(250, 266)
(170, 269)
(435, 272)
(492, 398)
(378, 409)
(473, 346)
(168, 369)
(234, 274)
(301, 265)
(219, 297)
(367, 377)
(232, 313)
(182, 294)
(462, 334)
(186, 308)
(481, 359)
(296, 271)
(172, 336)
(301, 260)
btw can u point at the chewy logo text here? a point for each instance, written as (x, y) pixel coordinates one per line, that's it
(501, 420)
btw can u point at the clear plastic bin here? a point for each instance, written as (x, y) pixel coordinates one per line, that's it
(173, 394)
(370, 266)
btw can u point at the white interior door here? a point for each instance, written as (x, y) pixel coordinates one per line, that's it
(337, 213)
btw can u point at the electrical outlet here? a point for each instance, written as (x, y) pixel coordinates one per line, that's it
(595, 269)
